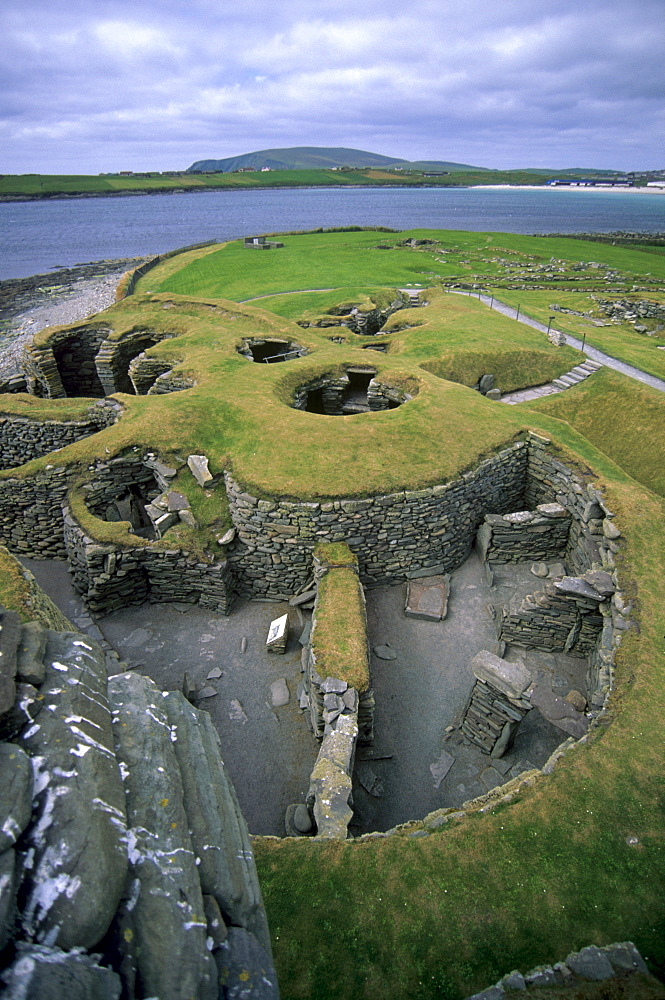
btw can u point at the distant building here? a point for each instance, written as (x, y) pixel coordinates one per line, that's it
(261, 243)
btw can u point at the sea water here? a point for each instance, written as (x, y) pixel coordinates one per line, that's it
(39, 236)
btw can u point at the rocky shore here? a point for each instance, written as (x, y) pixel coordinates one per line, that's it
(28, 305)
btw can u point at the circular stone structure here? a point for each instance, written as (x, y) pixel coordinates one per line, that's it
(356, 390)
(270, 351)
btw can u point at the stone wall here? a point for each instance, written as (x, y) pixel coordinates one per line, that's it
(621, 963)
(109, 577)
(335, 389)
(565, 615)
(114, 356)
(541, 535)
(65, 366)
(85, 361)
(345, 686)
(117, 877)
(22, 438)
(31, 514)
(590, 540)
(395, 536)
(143, 372)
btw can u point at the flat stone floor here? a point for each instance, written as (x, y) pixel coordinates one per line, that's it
(269, 752)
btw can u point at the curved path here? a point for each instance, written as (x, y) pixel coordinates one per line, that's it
(295, 291)
(590, 352)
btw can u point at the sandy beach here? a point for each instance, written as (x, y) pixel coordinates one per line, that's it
(571, 187)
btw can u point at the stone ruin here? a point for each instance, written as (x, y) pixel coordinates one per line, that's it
(356, 390)
(521, 503)
(89, 361)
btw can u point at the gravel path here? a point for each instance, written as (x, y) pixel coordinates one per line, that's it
(590, 352)
(28, 305)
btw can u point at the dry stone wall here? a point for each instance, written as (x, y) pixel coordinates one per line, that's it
(394, 536)
(66, 365)
(541, 535)
(565, 615)
(31, 514)
(109, 577)
(22, 439)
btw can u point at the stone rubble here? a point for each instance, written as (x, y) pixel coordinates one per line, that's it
(621, 961)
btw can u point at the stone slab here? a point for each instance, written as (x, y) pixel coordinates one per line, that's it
(427, 598)
(279, 693)
(198, 466)
(439, 769)
(511, 679)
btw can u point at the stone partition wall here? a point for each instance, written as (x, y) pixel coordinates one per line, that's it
(114, 356)
(338, 682)
(23, 438)
(566, 615)
(395, 536)
(109, 577)
(143, 372)
(541, 535)
(66, 365)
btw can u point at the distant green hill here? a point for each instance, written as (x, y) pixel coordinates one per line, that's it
(322, 157)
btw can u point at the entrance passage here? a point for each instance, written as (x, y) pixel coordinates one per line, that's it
(355, 400)
(270, 351)
(355, 391)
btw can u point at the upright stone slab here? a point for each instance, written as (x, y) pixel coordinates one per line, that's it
(219, 833)
(161, 927)
(77, 838)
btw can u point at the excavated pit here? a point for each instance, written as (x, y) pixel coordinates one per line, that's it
(270, 351)
(355, 391)
(122, 493)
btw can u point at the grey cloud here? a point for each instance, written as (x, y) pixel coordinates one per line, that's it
(508, 82)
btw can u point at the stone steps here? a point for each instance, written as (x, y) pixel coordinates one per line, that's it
(567, 381)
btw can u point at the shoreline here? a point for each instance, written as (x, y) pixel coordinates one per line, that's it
(572, 187)
(9, 199)
(69, 295)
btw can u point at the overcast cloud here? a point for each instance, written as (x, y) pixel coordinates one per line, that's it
(112, 85)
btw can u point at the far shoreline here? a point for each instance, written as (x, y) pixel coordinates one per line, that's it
(66, 196)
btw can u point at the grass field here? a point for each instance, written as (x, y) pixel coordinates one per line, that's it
(52, 185)
(447, 912)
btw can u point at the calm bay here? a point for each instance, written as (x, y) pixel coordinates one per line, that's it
(39, 236)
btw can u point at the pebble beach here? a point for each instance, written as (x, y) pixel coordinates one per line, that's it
(28, 305)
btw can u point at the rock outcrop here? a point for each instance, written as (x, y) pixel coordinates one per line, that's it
(126, 867)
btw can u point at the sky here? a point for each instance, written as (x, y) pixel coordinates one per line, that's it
(117, 85)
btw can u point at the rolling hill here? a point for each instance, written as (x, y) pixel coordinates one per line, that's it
(322, 157)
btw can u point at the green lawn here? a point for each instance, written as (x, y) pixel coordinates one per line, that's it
(352, 259)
